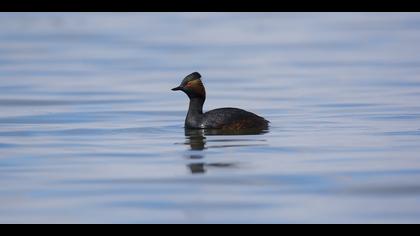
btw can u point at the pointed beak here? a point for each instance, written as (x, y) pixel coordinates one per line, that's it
(177, 88)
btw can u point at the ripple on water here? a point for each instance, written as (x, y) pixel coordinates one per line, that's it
(89, 130)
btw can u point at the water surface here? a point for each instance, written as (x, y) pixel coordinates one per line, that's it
(91, 133)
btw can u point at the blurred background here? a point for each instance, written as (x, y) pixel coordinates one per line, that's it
(91, 133)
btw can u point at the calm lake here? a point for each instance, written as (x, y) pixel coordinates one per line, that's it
(91, 133)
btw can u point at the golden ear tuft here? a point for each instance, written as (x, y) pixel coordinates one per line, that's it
(197, 86)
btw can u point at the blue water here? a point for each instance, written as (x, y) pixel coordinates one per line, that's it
(91, 133)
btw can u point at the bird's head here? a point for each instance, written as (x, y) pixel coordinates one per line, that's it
(192, 86)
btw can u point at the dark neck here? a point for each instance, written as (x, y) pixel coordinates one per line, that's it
(196, 106)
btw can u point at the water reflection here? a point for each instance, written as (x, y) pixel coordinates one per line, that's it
(197, 142)
(195, 139)
(342, 89)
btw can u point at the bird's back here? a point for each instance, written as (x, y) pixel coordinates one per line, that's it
(233, 119)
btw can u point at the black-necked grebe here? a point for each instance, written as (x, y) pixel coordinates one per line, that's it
(222, 118)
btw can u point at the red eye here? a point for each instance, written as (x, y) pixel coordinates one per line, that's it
(188, 84)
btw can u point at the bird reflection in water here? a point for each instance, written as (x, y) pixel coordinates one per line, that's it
(197, 141)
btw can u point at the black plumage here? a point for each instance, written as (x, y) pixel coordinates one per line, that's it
(222, 118)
